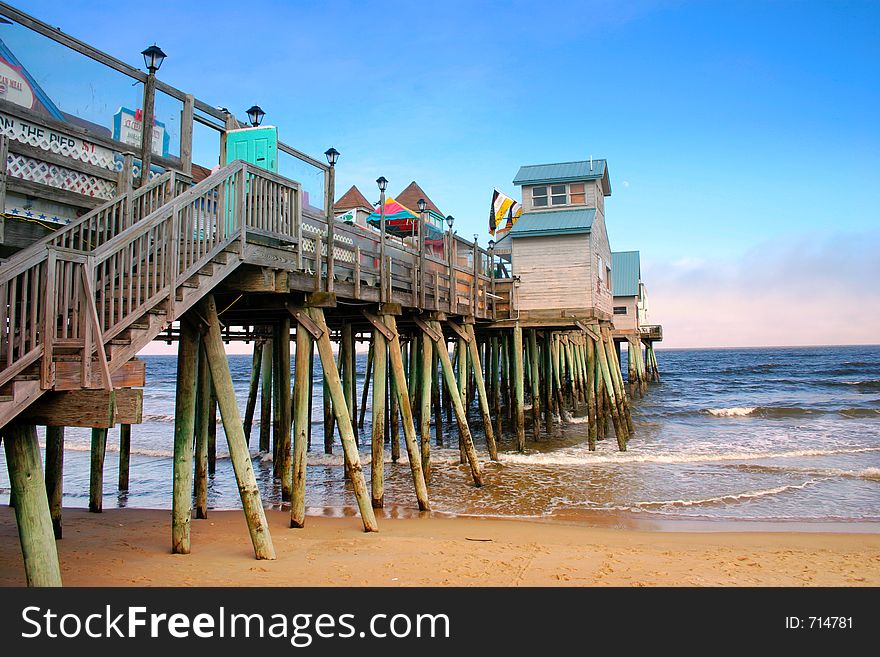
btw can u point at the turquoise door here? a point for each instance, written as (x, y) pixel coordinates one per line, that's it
(255, 145)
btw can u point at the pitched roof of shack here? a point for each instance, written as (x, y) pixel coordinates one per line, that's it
(352, 199)
(560, 172)
(625, 273)
(554, 222)
(411, 195)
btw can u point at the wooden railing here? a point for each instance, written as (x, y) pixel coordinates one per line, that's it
(64, 294)
(28, 276)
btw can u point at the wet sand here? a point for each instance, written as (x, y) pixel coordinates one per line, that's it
(130, 547)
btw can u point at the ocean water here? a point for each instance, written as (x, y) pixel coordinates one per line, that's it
(730, 434)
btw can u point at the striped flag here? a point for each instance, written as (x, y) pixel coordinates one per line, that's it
(513, 213)
(501, 205)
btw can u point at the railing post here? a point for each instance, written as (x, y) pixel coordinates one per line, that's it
(329, 192)
(85, 326)
(241, 205)
(476, 292)
(147, 127)
(186, 134)
(4, 153)
(47, 366)
(297, 226)
(450, 240)
(173, 266)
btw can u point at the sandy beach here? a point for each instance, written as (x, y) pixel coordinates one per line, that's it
(130, 547)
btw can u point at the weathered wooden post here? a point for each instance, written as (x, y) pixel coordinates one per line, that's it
(460, 415)
(481, 389)
(435, 394)
(124, 456)
(534, 366)
(505, 376)
(394, 417)
(329, 420)
(266, 396)
(462, 390)
(184, 430)
(204, 406)
(252, 389)
(302, 426)
(424, 372)
(212, 434)
(96, 470)
(518, 383)
(547, 382)
(55, 475)
(32, 514)
(409, 431)
(343, 421)
(284, 408)
(379, 353)
(591, 394)
(617, 380)
(346, 349)
(611, 391)
(234, 430)
(368, 370)
(496, 384)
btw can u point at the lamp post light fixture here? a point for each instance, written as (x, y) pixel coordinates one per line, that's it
(382, 182)
(423, 205)
(153, 58)
(449, 221)
(255, 115)
(332, 156)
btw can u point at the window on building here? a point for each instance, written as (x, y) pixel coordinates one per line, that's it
(620, 310)
(539, 196)
(601, 269)
(608, 277)
(577, 194)
(558, 195)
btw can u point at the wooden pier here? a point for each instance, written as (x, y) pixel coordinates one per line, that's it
(241, 254)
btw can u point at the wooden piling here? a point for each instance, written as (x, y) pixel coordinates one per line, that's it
(234, 430)
(617, 380)
(519, 383)
(124, 457)
(285, 470)
(547, 382)
(394, 416)
(184, 431)
(32, 514)
(611, 393)
(379, 352)
(256, 363)
(424, 373)
(276, 399)
(96, 470)
(463, 428)
(505, 376)
(212, 434)
(435, 394)
(347, 355)
(496, 385)
(367, 373)
(591, 394)
(343, 421)
(55, 475)
(461, 382)
(266, 396)
(409, 431)
(204, 406)
(481, 390)
(301, 392)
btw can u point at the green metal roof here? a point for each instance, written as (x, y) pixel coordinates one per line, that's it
(534, 174)
(554, 222)
(625, 273)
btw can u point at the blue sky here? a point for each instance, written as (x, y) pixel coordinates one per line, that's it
(741, 137)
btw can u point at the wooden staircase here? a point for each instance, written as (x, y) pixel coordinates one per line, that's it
(78, 306)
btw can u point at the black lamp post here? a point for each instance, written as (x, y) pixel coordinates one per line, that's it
(153, 58)
(423, 205)
(382, 182)
(255, 115)
(332, 156)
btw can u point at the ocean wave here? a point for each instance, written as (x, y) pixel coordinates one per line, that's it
(731, 498)
(786, 411)
(869, 474)
(583, 457)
